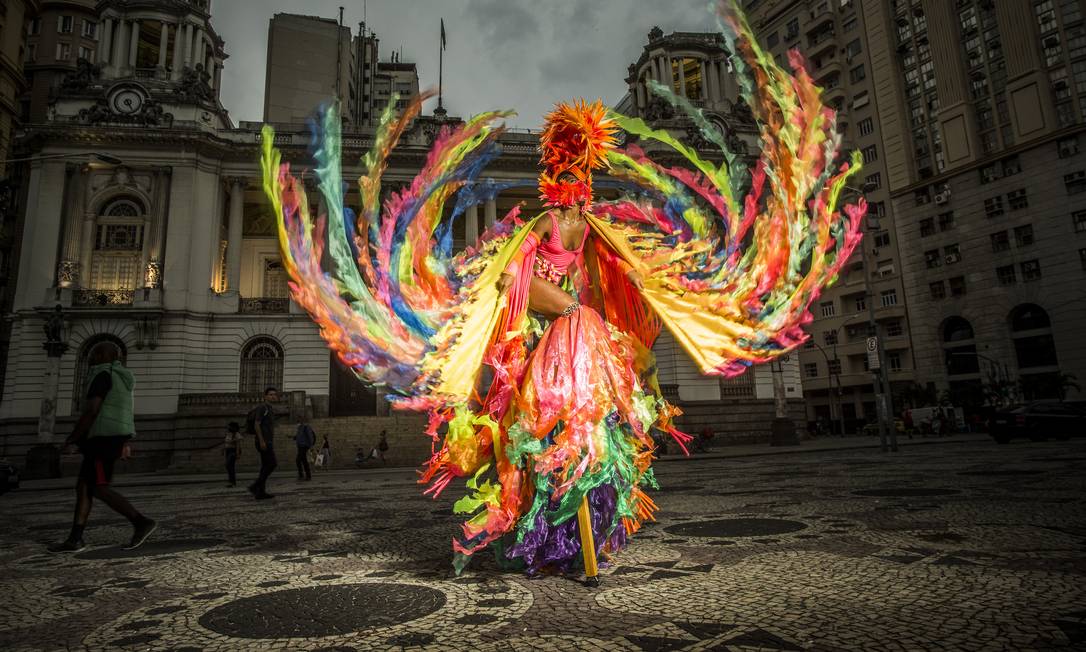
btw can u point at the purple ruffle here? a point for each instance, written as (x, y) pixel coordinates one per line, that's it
(558, 547)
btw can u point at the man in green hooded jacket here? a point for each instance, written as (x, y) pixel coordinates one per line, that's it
(102, 433)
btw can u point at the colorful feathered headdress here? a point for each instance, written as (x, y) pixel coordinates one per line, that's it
(574, 142)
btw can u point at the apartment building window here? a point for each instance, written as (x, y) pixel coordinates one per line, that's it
(857, 74)
(829, 337)
(861, 304)
(860, 100)
(792, 29)
(1078, 218)
(826, 309)
(952, 254)
(810, 370)
(938, 290)
(885, 268)
(866, 126)
(927, 227)
(894, 329)
(874, 179)
(1053, 49)
(1017, 199)
(993, 206)
(1006, 275)
(1023, 235)
(1070, 11)
(946, 221)
(834, 367)
(1076, 41)
(870, 154)
(882, 239)
(1067, 147)
(876, 208)
(957, 286)
(978, 85)
(922, 197)
(1011, 166)
(989, 173)
(772, 40)
(932, 258)
(90, 29)
(1031, 270)
(1046, 16)
(86, 53)
(65, 24)
(916, 113)
(32, 53)
(849, 24)
(852, 49)
(1000, 241)
(888, 297)
(64, 51)
(34, 28)
(1075, 182)
(968, 17)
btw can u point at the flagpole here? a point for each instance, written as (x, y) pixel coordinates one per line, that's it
(440, 66)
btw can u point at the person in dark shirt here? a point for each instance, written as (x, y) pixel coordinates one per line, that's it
(304, 439)
(231, 451)
(264, 424)
(102, 434)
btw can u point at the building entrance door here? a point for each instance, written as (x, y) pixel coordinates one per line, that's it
(349, 397)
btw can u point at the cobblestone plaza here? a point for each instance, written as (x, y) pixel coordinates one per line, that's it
(965, 545)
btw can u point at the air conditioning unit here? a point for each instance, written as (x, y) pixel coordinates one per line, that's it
(1068, 150)
(942, 197)
(950, 259)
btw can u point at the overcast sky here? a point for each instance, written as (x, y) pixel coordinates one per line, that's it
(502, 54)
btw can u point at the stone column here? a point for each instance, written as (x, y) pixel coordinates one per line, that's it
(68, 271)
(217, 79)
(199, 49)
(152, 273)
(86, 233)
(704, 79)
(186, 45)
(133, 44)
(163, 45)
(116, 58)
(234, 234)
(106, 41)
(175, 69)
(47, 416)
(471, 225)
(490, 212)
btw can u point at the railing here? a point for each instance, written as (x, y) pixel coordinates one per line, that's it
(264, 305)
(97, 297)
(738, 387)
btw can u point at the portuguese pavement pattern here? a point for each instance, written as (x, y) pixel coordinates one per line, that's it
(954, 546)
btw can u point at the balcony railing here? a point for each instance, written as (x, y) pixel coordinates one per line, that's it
(87, 297)
(264, 305)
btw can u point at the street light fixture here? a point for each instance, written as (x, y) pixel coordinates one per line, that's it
(884, 403)
(104, 158)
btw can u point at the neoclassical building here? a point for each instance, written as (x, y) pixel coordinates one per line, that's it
(167, 246)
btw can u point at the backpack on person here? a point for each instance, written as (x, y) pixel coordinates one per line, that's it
(250, 420)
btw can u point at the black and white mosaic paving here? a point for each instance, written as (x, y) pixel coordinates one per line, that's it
(964, 546)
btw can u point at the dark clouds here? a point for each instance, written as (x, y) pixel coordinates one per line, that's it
(518, 54)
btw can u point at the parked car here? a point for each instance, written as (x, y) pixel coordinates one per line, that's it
(9, 476)
(1039, 420)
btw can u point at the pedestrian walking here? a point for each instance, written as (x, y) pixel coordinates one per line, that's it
(382, 446)
(324, 457)
(102, 434)
(304, 439)
(231, 451)
(261, 421)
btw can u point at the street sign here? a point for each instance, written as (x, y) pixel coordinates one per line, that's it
(873, 353)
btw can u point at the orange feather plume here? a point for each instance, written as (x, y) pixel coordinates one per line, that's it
(575, 141)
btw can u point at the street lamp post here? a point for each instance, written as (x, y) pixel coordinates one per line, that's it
(835, 381)
(884, 403)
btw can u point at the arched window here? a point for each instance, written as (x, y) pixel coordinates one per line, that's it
(118, 242)
(261, 365)
(959, 348)
(1035, 350)
(82, 365)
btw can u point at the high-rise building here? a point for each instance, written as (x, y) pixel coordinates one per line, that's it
(58, 36)
(313, 60)
(988, 187)
(842, 46)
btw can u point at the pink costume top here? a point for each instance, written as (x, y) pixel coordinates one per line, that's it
(552, 259)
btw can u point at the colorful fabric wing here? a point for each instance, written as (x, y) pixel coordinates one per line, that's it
(748, 251)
